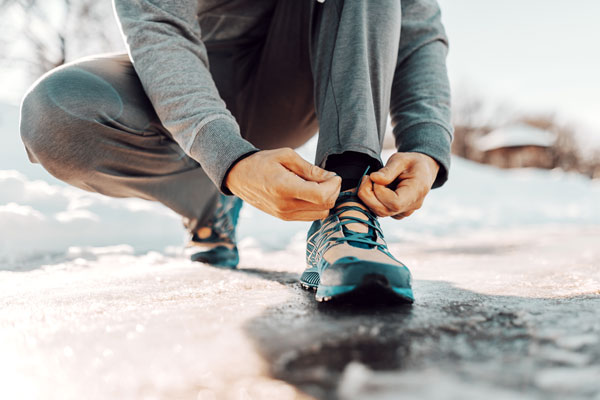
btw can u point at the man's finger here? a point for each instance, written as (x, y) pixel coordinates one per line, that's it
(304, 169)
(403, 215)
(302, 205)
(323, 194)
(366, 194)
(390, 199)
(412, 193)
(303, 215)
(394, 167)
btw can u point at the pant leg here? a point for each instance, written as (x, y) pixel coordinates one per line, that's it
(326, 66)
(275, 105)
(354, 51)
(90, 124)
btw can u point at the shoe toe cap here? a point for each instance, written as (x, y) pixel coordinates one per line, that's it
(352, 271)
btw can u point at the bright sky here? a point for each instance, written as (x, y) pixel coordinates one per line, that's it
(533, 54)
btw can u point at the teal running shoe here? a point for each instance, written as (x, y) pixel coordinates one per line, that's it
(217, 238)
(347, 257)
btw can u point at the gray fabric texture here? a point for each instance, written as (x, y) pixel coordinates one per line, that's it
(355, 51)
(208, 82)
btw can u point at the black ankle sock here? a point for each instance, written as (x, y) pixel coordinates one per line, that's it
(351, 165)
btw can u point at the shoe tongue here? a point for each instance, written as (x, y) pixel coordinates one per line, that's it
(349, 198)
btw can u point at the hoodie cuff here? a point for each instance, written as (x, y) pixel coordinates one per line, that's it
(431, 139)
(217, 146)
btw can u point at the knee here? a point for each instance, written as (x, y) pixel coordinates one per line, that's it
(41, 122)
(58, 114)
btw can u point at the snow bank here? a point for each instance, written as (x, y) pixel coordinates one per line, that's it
(38, 219)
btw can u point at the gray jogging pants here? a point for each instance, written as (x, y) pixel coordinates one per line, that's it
(90, 124)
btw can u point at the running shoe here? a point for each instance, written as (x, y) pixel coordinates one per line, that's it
(348, 258)
(217, 238)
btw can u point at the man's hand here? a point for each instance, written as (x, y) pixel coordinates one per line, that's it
(281, 183)
(415, 172)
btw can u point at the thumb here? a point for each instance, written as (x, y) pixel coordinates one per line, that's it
(386, 175)
(306, 170)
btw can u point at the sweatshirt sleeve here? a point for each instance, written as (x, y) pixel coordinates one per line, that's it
(420, 101)
(164, 43)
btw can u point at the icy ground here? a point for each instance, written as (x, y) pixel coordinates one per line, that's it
(97, 302)
(498, 316)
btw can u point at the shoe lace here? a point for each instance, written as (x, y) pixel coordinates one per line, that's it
(363, 239)
(368, 238)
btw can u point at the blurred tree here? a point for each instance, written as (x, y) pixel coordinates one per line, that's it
(468, 120)
(39, 35)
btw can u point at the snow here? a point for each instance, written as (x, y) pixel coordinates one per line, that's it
(46, 217)
(515, 135)
(97, 300)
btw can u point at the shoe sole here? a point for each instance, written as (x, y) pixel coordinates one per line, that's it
(373, 288)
